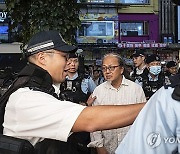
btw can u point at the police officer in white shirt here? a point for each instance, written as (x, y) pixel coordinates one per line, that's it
(33, 111)
(156, 130)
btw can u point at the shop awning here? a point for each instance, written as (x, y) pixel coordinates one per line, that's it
(142, 45)
(10, 48)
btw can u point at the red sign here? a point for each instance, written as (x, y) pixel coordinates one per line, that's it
(142, 45)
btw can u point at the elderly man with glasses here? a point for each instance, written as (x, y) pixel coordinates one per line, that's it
(117, 90)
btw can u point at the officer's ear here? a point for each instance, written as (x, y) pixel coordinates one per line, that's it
(122, 70)
(41, 58)
(143, 57)
(147, 66)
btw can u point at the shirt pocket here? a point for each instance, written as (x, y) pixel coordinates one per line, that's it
(84, 86)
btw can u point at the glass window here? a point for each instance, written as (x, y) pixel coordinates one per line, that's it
(4, 32)
(2, 1)
(101, 1)
(134, 28)
(116, 1)
(97, 28)
(13, 60)
(135, 1)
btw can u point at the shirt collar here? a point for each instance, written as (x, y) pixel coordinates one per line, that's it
(123, 83)
(140, 71)
(73, 78)
(151, 79)
(57, 88)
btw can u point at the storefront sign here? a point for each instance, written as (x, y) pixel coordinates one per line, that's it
(142, 45)
(3, 16)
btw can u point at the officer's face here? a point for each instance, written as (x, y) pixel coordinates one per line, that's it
(56, 65)
(111, 69)
(138, 60)
(172, 70)
(72, 65)
(96, 74)
(154, 63)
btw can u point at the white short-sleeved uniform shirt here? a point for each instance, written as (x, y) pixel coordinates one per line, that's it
(35, 115)
(156, 130)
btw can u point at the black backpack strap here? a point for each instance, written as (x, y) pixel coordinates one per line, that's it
(176, 93)
(11, 145)
(175, 80)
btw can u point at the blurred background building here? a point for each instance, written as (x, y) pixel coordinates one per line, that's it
(125, 25)
(118, 25)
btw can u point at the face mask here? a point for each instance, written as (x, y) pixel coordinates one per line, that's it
(155, 70)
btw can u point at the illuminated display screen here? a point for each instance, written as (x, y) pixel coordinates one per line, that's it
(4, 33)
(105, 28)
(4, 29)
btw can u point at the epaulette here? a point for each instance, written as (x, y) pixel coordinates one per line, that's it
(174, 83)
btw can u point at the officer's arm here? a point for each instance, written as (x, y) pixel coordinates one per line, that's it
(106, 117)
(101, 150)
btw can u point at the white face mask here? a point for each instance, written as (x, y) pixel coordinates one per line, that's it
(155, 69)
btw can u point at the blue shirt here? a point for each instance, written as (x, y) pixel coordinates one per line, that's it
(151, 79)
(156, 130)
(87, 85)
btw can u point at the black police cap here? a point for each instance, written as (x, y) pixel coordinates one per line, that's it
(171, 64)
(137, 53)
(151, 58)
(46, 40)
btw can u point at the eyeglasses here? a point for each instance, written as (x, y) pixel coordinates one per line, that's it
(72, 60)
(110, 68)
(65, 56)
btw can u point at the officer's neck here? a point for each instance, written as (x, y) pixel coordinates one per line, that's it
(95, 78)
(71, 74)
(142, 66)
(152, 75)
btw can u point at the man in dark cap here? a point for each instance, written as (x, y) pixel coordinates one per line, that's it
(77, 85)
(33, 111)
(77, 88)
(153, 78)
(171, 70)
(139, 62)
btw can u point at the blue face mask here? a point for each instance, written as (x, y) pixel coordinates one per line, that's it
(155, 69)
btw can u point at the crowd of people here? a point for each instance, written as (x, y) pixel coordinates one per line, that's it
(147, 71)
(63, 107)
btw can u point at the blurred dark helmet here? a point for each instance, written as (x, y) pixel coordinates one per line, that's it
(171, 64)
(152, 58)
(138, 52)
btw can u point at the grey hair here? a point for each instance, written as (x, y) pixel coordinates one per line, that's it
(116, 55)
(120, 61)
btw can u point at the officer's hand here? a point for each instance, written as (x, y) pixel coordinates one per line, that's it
(102, 150)
(84, 104)
(90, 100)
